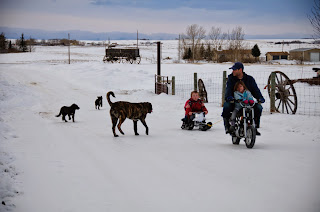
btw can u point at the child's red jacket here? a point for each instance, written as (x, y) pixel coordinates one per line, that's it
(195, 106)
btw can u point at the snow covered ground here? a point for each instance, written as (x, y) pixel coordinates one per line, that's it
(49, 165)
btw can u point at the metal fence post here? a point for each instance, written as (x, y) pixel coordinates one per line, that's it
(173, 81)
(224, 83)
(195, 81)
(273, 93)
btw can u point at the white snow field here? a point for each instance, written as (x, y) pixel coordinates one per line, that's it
(52, 166)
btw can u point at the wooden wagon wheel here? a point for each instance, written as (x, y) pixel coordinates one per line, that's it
(202, 91)
(131, 59)
(285, 94)
(119, 56)
(105, 59)
(138, 60)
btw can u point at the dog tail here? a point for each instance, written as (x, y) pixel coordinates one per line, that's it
(59, 114)
(108, 97)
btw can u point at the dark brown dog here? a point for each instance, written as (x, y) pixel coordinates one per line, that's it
(134, 111)
(70, 111)
(98, 102)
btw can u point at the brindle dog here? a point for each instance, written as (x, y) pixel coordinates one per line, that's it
(134, 111)
(70, 111)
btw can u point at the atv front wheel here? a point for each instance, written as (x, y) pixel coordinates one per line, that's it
(251, 137)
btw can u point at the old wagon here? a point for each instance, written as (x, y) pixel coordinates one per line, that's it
(129, 55)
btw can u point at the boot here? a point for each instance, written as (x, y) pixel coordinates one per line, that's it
(257, 133)
(231, 128)
(226, 125)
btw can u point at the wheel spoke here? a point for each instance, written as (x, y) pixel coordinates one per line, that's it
(281, 79)
(279, 105)
(285, 103)
(291, 101)
(277, 79)
(289, 105)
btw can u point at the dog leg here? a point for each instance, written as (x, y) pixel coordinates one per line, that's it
(145, 124)
(114, 123)
(135, 127)
(73, 117)
(121, 120)
(64, 118)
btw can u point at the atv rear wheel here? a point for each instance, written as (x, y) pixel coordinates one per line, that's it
(190, 126)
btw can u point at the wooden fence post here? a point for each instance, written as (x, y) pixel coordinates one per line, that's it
(173, 81)
(195, 81)
(224, 84)
(273, 93)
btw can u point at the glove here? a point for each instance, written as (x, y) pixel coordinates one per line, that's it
(251, 102)
(261, 100)
(245, 101)
(230, 99)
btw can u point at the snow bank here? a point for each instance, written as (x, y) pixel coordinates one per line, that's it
(80, 166)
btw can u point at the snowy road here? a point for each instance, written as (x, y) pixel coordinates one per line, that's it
(81, 167)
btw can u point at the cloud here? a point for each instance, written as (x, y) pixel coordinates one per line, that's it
(149, 16)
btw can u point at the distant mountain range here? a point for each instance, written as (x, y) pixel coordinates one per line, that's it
(15, 33)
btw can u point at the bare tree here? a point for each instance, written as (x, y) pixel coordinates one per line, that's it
(236, 38)
(193, 37)
(216, 39)
(236, 41)
(315, 18)
(31, 42)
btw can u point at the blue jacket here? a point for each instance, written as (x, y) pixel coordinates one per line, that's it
(246, 95)
(248, 81)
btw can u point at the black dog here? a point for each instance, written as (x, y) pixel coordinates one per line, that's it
(70, 111)
(134, 111)
(98, 102)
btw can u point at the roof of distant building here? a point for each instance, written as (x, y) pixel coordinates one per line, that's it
(302, 49)
(277, 53)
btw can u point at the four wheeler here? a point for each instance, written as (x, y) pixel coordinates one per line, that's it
(198, 120)
(245, 126)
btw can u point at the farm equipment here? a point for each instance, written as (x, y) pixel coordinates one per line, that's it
(286, 100)
(114, 55)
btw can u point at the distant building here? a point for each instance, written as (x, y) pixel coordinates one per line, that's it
(243, 55)
(305, 54)
(277, 56)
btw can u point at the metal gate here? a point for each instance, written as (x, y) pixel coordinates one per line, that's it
(161, 84)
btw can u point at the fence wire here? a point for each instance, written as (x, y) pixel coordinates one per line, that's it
(308, 96)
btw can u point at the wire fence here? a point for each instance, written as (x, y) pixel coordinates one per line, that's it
(308, 95)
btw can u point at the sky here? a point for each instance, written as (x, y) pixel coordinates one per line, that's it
(159, 16)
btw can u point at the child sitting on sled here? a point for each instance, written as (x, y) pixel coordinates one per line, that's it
(194, 104)
(241, 94)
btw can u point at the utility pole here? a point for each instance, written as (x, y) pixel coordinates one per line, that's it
(69, 46)
(179, 50)
(137, 40)
(158, 58)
